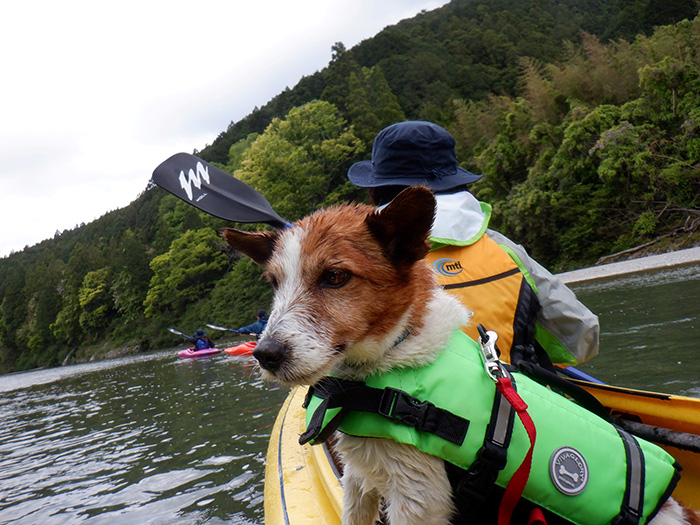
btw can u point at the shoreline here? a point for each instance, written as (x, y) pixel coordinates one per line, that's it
(684, 257)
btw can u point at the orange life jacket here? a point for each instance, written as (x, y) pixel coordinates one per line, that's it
(490, 284)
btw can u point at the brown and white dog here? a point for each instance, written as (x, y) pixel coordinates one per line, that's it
(349, 282)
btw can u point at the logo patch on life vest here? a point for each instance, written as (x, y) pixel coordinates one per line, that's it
(447, 267)
(568, 470)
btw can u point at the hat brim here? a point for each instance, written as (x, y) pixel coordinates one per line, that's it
(362, 174)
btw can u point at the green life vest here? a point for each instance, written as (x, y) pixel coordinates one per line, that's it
(584, 469)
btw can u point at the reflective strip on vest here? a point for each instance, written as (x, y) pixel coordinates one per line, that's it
(579, 469)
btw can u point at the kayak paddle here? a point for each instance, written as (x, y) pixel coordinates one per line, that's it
(222, 328)
(214, 191)
(177, 332)
(575, 373)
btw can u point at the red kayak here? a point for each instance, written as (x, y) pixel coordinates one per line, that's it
(245, 349)
(191, 352)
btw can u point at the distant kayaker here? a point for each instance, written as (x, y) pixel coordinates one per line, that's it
(258, 326)
(200, 340)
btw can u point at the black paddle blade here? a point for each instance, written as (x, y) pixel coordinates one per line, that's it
(214, 191)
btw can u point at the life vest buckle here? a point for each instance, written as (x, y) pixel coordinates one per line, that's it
(403, 408)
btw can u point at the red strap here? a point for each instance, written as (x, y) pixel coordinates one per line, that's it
(536, 517)
(517, 483)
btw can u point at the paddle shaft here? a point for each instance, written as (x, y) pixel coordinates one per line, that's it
(660, 435)
(215, 327)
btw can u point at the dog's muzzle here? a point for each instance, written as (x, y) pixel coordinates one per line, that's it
(270, 353)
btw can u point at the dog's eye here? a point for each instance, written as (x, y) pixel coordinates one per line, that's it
(272, 280)
(334, 278)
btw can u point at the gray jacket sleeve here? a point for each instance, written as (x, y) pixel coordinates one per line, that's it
(562, 315)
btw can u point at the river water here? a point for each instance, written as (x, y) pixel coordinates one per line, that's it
(153, 439)
(650, 330)
(147, 439)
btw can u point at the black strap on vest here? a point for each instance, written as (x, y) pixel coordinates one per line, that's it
(524, 324)
(633, 502)
(394, 404)
(472, 487)
(549, 378)
(484, 280)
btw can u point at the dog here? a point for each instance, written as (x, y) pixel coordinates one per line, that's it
(354, 297)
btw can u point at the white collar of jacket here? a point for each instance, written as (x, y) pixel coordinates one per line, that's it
(460, 219)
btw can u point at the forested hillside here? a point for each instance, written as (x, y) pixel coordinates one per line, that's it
(467, 49)
(584, 119)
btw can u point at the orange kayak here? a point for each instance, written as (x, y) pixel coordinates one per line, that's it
(245, 349)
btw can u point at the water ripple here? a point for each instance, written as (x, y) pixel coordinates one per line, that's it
(142, 441)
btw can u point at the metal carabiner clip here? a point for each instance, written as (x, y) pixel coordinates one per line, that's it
(487, 342)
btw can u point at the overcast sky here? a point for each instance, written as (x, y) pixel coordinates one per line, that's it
(95, 94)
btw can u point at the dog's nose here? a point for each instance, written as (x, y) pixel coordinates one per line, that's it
(270, 354)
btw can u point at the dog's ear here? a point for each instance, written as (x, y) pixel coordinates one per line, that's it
(403, 226)
(256, 245)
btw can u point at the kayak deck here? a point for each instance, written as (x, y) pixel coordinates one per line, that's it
(302, 485)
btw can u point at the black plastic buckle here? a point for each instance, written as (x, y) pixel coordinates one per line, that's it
(627, 516)
(475, 484)
(490, 460)
(399, 406)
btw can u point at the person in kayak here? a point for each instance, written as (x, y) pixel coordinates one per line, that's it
(257, 327)
(537, 318)
(200, 340)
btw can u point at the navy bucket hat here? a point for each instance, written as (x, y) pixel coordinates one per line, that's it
(411, 153)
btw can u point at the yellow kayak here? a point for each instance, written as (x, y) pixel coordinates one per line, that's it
(302, 484)
(676, 413)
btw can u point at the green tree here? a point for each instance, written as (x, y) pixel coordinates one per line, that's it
(370, 104)
(95, 301)
(175, 217)
(132, 270)
(235, 153)
(84, 259)
(185, 273)
(301, 161)
(13, 310)
(236, 296)
(599, 153)
(337, 75)
(41, 290)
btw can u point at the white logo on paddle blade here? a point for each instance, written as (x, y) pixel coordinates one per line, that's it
(194, 178)
(569, 471)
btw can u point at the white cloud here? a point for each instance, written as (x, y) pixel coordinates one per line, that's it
(95, 95)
